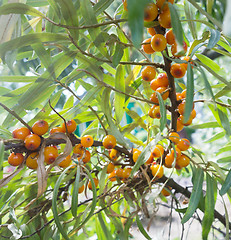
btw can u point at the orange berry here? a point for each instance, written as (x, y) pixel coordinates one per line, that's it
(193, 114)
(87, 157)
(66, 162)
(181, 107)
(164, 19)
(179, 125)
(187, 60)
(147, 48)
(113, 155)
(96, 181)
(158, 42)
(150, 159)
(158, 151)
(174, 137)
(157, 170)
(177, 70)
(71, 126)
(79, 150)
(15, 159)
(163, 92)
(119, 173)
(182, 161)
(178, 96)
(125, 5)
(127, 172)
(87, 141)
(150, 12)
(175, 53)
(189, 122)
(50, 154)
(162, 80)
(154, 98)
(166, 191)
(183, 144)
(40, 127)
(163, 4)
(32, 142)
(154, 112)
(31, 160)
(81, 189)
(178, 152)
(170, 37)
(56, 129)
(168, 161)
(110, 167)
(109, 141)
(136, 154)
(154, 84)
(112, 176)
(148, 73)
(183, 93)
(21, 133)
(151, 31)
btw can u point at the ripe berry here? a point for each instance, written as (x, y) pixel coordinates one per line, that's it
(154, 112)
(166, 191)
(178, 96)
(120, 173)
(151, 31)
(163, 92)
(182, 161)
(170, 37)
(127, 173)
(178, 152)
(175, 53)
(187, 60)
(146, 46)
(31, 160)
(163, 4)
(50, 154)
(150, 12)
(110, 167)
(193, 114)
(96, 181)
(154, 98)
(158, 42)
(164, 19)
(158, 151)
(40, 127)
(81, 189)
(113, 155)
(79, 150)
(174, 137)
(154, 84)
(32, 142)
(168, 161)
(66, 162)
(21, 133)
(87, 141)
(150, 159)
(15, 159)
(157, 171)
(162, 80)
(183, 93)
(179, 125)
(182, 120)
(183, 144)
(136, 154)
(109, 141)
(112, 176)
(56, 129)
(71, 126)
(148, 73)
(87, 157)
(177, 70)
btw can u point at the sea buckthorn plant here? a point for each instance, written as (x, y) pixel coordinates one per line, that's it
(110, 110)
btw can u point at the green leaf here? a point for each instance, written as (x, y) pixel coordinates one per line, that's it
(141, 228)
(136, 20)
(103, 226)
(195, 196)
(209, 207)
(163, 119)
(118, 54)
(208, 62)
(176, 24)
(189, 93)
(214, 38)
(54, 204)
(216, 137)
(1, 158)
(226, 185)
(75, 194)
(190, 15)
(119, 97)
(224, 122)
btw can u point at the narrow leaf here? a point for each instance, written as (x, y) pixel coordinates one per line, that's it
(214, 38)
(141, 228)
(75, 194)
(118, 54)
(224, 122)
(226, 185)
(209, 62)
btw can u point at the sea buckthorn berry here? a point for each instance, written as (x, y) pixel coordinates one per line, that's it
(125, 5)
(150, 12)
(86, 158)
(148, 73)
(113, 155)
(154, 112)
(179, 125)
(110, 167)
(168, 161)
(21, 133)
(182, 120)
(193, 114)
(178, 96)
(32, 142)
(178, 152)
(164, 19)
(177, 70)
(162, 80)
(166, 191)
(151, 31)
(127, 173)
(163, 4)
(136, 154)
(31, 160)
(81, 189)
(182, 161)
(175, 53)
(154, 84)
(170, 37)
(186, 58)
(71, 126)
(87, 141)
(157, 171)
(109, 141)
(150, 159)
(158, 151)
(66, 162)
(181, 107)
(15, 159)
(79, 150)
(40, 127)
(183, 144)
(120, 172)
(56, 130)
(174, 137)
(158, 43)
(96, 181)
(183, 93)
(154, 98)
(112, 176)
(146, 46)
(50, 154)
(163, 91)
